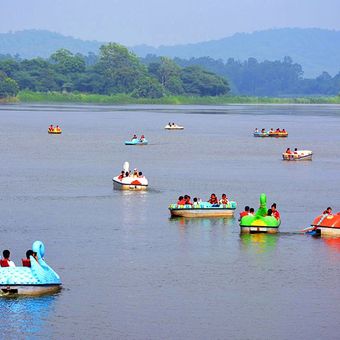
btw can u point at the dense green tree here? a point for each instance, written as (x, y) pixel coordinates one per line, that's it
(8, 86)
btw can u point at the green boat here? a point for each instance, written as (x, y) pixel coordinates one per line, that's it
(260, 222)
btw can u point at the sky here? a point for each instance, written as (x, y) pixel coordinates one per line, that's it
(161, 22)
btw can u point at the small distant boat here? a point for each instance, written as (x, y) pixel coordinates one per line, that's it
(298, 155)
(136, 141)
(39, 279)
(132, 182)
(203, 209)
(54, 131)
(261, 134)
(270, 134)
(260, 223)
(326, 224)
(173, 127)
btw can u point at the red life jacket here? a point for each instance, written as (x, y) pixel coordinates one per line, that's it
(4, 263)
(26, 262)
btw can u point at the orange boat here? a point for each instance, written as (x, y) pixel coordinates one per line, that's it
(327, 224)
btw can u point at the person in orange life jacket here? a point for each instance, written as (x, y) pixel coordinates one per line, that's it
(224, 199)
(213, 199)
(187, 200)
(275, 212)
(6, 262)
(245, 212)
(181, 200)
(288, 151)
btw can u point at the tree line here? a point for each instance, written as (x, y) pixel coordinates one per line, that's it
(114, 71)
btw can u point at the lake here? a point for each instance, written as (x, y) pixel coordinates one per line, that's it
(131, 272)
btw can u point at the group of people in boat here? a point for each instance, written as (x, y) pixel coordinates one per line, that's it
(5, 261)
(141, 139)
(270, 212)
(213, 200)
(271, 131)
(134, 174)
(290, 152)
(54, 128)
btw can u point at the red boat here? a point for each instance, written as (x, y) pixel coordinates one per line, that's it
(327, 224)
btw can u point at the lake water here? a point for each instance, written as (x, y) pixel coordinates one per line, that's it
(131, 272)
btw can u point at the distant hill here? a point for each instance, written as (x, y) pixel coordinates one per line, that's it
(41, 43)
(317, 50)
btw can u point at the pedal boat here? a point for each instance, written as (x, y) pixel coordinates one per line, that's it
(204, 209)
(136, 141)
(131, 182)
(300, 155)
(39, 279)
(260, 223)
(173, 127)
(54, 132)
(326, 224)
(278, 134)
(260, 134)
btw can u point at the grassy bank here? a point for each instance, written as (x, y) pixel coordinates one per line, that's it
(9, 100)
(56, 97)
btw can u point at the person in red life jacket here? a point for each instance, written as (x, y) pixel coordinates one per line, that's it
(142, 138)
(121, 176)
(245, 212)
(181, 200)
(6, 262)
(278, 130)
(288, 151)
(275, 213)
(187, 200)
(328, 211)
(51, 128)
(213, 199)
(27, 261)
(284, 131)
(224, 199)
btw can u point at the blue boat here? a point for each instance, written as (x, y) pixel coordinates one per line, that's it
(39, 279)
(136, 141)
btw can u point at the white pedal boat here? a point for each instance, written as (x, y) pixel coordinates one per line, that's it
(298, 155)
(173, 127)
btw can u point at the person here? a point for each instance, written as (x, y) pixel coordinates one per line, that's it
(27, 261)
(121, 176)
(196, 203)
(134, 137)
(224, 199)
(245, 212)
(6, 262)
(127, 174)
(271, 130)
(288, 151)
(263, 130)
(142, 138)
(135, 173)
(187, 200)
(284, 131)
(275, 212)
(295, 151)
(269, 212)
(181, 200)
(213, 199)
(140, 174)
(256, 130)
(57, 128)
(51, 128)
(251, 211)
(278, 130)
(328, 211)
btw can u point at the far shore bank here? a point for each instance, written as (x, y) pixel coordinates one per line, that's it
(122, 99)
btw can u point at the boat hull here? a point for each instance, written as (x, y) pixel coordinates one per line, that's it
(134, 187)
(202, 212)
(327, 224)
(300, 156)
(259, 229)
(54, 132)
(29, 290)
(174, 127)
(145, 142)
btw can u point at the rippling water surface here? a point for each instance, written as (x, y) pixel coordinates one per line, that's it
(128, 270)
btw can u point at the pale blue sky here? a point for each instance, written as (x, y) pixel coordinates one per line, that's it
(157, 22)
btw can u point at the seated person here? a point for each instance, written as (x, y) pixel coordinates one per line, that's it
(6, 262)
(328, 211)
(134, 137)
(283, 131)
(140, 174)
(278, 130)
(256, 130)
(275, 212)
(263, 131)
(142, 138)
(27, 262)
(245, 212)
(224, 199)
(288, 151)
(196, 203)
(51, 128)
(181, 200)
(295, 151)
(57, 128)
(271, 130)
(269, 212)
(127, 174)
(187, 200)
(251, 211)
(121, 176)
(213, 199)
(135, 173)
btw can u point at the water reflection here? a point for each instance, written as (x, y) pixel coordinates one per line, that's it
(333, 243)
(202, 222)
(26, 317)
(259, 243)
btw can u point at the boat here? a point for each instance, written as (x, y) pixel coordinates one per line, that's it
(55, 131)
(270, 134)
(260, 222)
(131, 182)
(39, 279)
(298, 155)
(326, 224)
(173, 127)
(136, 141)
(261, 134)
(203, 209)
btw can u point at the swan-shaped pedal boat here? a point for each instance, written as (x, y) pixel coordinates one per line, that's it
(38, 279)
(136, 141)
(173, 127)
(203, 209)
(260, 222)
(136, 183)
(326, 224)
(299, 155)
